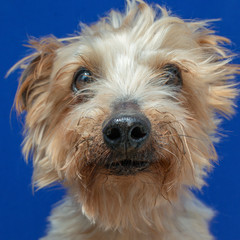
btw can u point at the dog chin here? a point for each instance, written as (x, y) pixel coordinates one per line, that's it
(118, 201)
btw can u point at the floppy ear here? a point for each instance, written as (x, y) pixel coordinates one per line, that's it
(219, 71)
(37, 69)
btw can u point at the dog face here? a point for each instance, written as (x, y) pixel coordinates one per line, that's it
(125, 114)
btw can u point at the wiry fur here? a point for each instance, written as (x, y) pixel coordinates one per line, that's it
(63, 131)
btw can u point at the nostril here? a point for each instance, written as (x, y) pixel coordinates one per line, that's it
(138, 133)
(113, 134)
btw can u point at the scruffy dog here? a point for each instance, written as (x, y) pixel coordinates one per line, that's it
(124, 115)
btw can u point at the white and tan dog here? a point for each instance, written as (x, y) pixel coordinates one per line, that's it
(125, 115)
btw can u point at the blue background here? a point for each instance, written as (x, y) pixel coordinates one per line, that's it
(22, 212)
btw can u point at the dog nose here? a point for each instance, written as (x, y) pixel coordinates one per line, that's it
(126, 133)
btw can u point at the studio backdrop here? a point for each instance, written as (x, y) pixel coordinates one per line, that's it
(23, 210)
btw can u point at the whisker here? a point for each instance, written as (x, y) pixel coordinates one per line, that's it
(189, 153)
(181, 135)
(165, 149)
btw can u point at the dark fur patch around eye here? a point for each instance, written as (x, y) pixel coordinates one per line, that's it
(172, 74)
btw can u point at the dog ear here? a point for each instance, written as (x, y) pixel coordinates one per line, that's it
(37, 69)
(218, 70)
(25, 84)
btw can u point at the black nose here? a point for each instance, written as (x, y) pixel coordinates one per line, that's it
(126, 132)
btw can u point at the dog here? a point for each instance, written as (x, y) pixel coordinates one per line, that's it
(125, 115)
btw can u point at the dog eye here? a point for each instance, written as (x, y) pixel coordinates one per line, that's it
(81, 78)
(172, 74)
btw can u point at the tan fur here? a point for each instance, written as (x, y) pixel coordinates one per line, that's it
(63, 131)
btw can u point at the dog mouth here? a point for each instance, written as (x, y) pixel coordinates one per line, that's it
(127, 167)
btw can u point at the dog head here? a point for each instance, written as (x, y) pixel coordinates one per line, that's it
(125, 114)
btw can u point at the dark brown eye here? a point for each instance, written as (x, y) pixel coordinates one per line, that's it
(82, 77)
(172, 74)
